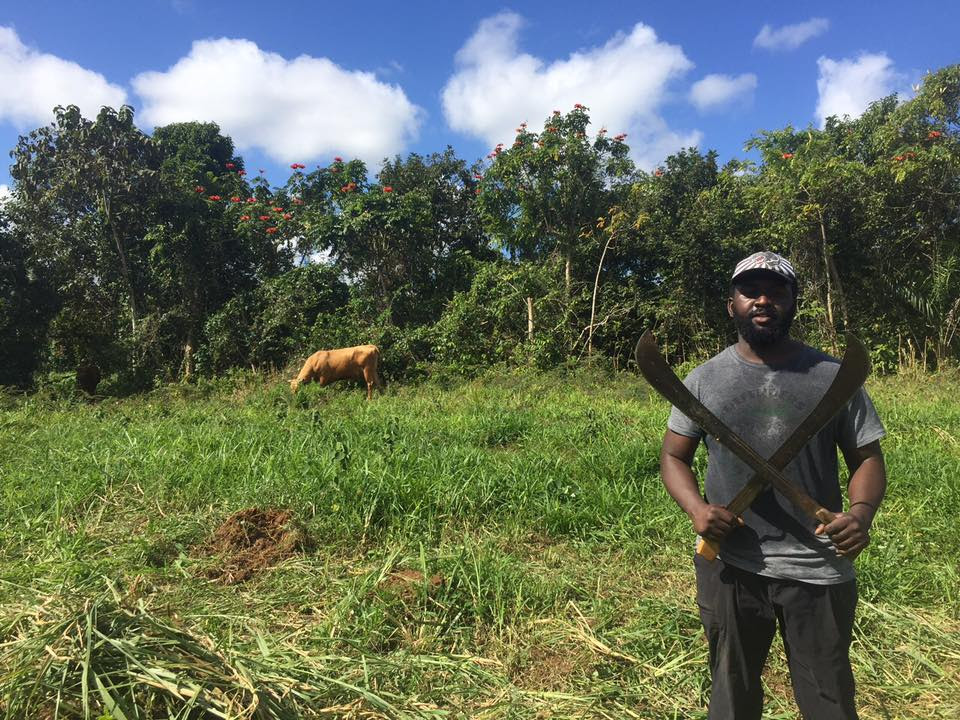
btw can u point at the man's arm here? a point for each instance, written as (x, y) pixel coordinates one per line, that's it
(868, 482)
(713, 522)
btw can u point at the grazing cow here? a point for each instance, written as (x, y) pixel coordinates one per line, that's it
(327, 366)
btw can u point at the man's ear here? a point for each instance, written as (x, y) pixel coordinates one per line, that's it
(730, 306)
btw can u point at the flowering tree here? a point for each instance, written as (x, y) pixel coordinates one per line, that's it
(545, 192)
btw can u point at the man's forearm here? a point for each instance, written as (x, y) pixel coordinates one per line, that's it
(681, 484)
(868, 485)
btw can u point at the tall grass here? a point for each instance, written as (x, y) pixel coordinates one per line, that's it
(564, 580)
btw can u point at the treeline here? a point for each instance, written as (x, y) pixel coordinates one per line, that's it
(156, 258)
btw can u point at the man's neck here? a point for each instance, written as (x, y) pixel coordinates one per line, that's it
(775, 354)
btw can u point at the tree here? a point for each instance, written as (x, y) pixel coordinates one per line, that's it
(81, 202)
(25, 308)
(545, 193)
(200, 253)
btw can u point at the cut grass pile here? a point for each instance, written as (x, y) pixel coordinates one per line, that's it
(499, 549)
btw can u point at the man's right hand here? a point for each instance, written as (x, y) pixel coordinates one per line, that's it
(714, 522)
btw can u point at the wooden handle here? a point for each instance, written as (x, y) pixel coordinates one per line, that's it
(706, 549)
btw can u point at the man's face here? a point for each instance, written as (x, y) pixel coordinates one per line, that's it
(762, 307)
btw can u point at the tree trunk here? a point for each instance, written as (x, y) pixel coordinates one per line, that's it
(567, 265)
(187, 366)
(596, 286)
(833, 287)
(530, 319)
(124, 266)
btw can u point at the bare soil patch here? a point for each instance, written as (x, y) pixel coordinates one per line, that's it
(253, 540)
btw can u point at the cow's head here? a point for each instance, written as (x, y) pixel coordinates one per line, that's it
(294, 384)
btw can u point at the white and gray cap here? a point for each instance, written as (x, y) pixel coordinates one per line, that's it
(766, 260)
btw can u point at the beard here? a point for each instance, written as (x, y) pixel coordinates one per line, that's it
(768, 335)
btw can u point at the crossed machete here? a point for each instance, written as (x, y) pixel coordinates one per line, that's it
(853, 371)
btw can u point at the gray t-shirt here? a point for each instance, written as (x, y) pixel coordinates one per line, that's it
(763, 404)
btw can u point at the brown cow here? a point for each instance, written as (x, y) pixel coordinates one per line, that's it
(327, 366)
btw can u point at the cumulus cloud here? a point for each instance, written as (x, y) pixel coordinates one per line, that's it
(790, 37)
(624, 83)
(34, 83)
(847, 87)
(292, 110)
(715, 91)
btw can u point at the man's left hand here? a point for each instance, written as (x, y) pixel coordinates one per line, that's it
(848, 533)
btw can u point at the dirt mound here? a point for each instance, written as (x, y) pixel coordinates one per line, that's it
(253, 540)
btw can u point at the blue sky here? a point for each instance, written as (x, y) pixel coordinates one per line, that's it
(307, 81)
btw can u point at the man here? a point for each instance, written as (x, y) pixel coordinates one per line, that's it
(776, 566)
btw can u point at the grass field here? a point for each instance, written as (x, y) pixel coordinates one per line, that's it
(502, 548)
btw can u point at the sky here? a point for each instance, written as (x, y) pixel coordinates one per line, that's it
(307, 81)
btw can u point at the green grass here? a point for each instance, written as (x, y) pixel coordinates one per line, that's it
(565, 582)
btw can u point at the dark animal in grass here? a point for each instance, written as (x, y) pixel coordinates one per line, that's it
(352, 363)
(88, 377)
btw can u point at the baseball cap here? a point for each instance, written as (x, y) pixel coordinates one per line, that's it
(766, 260)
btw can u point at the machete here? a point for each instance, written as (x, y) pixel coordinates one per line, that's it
(850, 376)
(852, 373)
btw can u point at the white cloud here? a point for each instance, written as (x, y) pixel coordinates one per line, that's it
(4, 193)
(718, 90)
(293, 110)
(34, 83)
(790, 37)
(847, 87)
(624, 83)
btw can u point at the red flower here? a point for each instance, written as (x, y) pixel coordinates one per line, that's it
(229, 166)
(787, 156)
(244, 218)
(556, 112)
(578, 106)
(620, 138)
(271, 230)
(215, 198)
(236, 198)
(297, 201)
(899, 158)
(278, 209)
(477, 176)
(934, 134)
(199, 189)
(287, 216)
(551, 129)
(251, 200)
(338, 159)
(241, 172)
(264, 217)
(658, 172)
(477, 191)
(387, 188)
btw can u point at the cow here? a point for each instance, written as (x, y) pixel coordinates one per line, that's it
(327, 366)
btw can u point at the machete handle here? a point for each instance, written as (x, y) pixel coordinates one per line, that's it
(706, 549)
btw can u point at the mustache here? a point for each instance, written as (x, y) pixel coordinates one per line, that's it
(764, 313)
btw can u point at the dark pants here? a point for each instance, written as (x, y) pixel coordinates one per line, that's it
(740, 612)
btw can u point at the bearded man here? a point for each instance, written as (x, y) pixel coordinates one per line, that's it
(776, 567)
